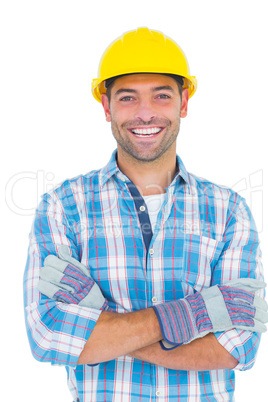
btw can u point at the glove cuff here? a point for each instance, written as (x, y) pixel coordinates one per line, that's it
(176, 321)
(199, 310)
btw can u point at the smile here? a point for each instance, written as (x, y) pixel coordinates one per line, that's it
(148, 132)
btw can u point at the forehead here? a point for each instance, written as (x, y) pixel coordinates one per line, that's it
(144, 82)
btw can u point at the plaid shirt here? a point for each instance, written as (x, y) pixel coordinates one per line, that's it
(204, 235)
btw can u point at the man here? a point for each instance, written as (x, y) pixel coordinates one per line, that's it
(144, 237)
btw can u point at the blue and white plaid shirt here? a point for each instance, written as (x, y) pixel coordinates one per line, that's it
(204, 235)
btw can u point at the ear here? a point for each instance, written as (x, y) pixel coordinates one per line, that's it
(106, 107)
(184, 102)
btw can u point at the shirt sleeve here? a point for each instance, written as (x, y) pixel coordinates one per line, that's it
(240, 258)
(57, 332)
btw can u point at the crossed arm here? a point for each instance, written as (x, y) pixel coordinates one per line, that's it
(135, 334)
(138, 334)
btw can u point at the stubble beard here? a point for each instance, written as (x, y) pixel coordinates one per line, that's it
(146, 155)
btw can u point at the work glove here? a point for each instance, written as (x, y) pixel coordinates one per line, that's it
(218, 308)
(66, 280)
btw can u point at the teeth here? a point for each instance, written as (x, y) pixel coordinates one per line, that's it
(147, 131)
(143, 135)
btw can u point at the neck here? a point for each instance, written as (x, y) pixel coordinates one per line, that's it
(150, 177)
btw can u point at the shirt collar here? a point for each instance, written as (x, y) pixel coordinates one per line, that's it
(111, 169)
(181, 173)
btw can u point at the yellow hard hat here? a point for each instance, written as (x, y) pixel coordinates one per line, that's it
(142, 51)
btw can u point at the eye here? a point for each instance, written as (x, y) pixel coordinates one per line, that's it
(126, 99)
(163, 96)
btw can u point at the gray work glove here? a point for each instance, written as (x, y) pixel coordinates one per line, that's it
(218, 308)
(66, 280)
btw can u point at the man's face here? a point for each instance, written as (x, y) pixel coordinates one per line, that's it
(144, 112)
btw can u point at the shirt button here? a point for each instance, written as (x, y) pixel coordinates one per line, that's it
(142, 208)
(158, 393)
(154, 299)
(151, 251)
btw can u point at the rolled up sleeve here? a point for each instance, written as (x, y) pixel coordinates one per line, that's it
(240, 258)
(242, 345)
(57, 332)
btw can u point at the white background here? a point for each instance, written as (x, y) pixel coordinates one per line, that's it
(53, 129)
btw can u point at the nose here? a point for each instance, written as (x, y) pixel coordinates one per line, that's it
(145, 111)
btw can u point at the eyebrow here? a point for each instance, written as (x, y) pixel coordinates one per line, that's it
(164, 88)
(156, 89)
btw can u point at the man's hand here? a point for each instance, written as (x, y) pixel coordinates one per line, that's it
(68, 281)
(218, 308)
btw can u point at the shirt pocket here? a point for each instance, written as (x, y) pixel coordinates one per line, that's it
(200, 254)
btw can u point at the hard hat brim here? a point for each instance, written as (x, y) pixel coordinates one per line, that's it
(98, 85)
